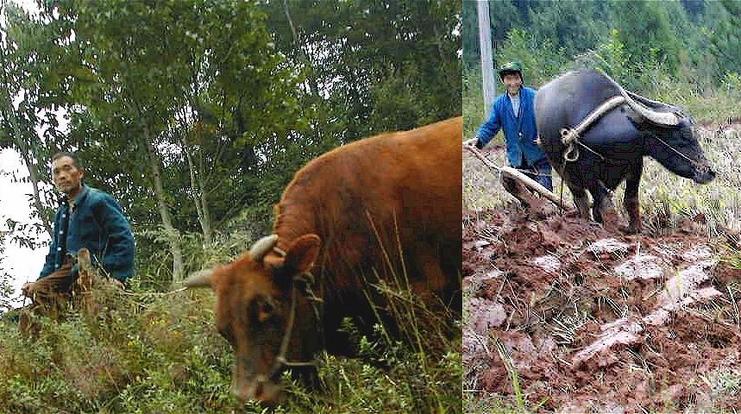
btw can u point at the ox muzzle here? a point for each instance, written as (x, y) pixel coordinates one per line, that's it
(258, 388)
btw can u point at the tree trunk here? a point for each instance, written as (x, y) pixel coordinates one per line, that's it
(33, 175)
(207, 227)
(172, 233)
(199, 194)
(316, 133)
(439, 43)
(27, 156)
(301, 52)
(23, 147)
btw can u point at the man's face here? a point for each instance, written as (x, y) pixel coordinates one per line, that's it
(513, 82)
(67, 176)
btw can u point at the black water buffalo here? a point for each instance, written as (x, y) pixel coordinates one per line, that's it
(612, 148)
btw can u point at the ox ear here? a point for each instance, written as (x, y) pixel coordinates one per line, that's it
(302, 254)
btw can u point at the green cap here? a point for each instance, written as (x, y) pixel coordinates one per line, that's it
(510, 67)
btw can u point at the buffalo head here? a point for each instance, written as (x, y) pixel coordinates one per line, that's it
(671, 138)
(678, 149)
(265, 313)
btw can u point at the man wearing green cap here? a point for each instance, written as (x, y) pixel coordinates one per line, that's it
(514, 112)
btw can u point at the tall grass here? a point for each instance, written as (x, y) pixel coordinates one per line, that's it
(157, 352)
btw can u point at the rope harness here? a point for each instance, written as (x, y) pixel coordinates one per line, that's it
(693, 162)
(570, 137)
(280, 361)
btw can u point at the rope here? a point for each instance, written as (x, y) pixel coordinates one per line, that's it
(696, 163)
(281, 360)
(571, 137)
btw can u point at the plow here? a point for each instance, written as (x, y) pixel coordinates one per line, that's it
(520, 178)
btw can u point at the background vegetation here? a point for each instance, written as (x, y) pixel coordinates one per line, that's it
(685, 52)
(194, 114)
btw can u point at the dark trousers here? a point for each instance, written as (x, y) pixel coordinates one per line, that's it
(540, 172)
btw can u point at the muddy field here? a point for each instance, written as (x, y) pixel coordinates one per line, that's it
(575, 319)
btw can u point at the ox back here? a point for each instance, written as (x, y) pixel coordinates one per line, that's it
(387, 206)
(565, 102)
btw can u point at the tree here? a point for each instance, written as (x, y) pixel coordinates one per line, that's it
(645, 25)
(377, 66)
(20, 101)
(184, 108)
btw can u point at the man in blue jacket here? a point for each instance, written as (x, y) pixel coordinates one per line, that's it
(514, 112)
(86, 218)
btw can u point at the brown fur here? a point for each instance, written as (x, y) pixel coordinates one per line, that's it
(374, 204)
(405, 181)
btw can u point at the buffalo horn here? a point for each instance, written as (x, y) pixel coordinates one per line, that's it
(262, 247)
(199, 279)
(659, 118)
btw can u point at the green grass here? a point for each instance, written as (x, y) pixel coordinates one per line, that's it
(150, 352)
(162, 354)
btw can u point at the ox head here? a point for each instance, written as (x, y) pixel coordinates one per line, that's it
(263, 311)
(672, 139)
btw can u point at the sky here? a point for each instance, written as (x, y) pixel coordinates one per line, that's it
(22, 264)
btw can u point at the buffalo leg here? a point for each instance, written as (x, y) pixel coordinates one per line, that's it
(581, 200)
(604, 209)
(630, 201)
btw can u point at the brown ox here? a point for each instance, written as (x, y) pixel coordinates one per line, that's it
(348, 214)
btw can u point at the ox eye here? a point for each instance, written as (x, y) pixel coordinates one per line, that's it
(265, 309)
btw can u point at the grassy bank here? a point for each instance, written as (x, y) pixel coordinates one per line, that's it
(152, 352)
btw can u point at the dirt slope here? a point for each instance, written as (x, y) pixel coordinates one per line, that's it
(599, 322)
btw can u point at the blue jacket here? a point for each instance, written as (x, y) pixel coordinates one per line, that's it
(502, 116)
(98, 224)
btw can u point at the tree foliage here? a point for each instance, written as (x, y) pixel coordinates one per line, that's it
(195, 114)
(694, 42)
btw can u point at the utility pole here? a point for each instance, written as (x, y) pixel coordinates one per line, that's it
(487, 61)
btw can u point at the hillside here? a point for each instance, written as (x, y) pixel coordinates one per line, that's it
(152, 352)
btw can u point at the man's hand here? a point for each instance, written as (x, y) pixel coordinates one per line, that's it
(473, 142)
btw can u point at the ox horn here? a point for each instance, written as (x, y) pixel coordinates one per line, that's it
(262, 247)
(199, 279)
(659, 118)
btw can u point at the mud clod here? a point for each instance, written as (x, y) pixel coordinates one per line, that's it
(598, 321)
